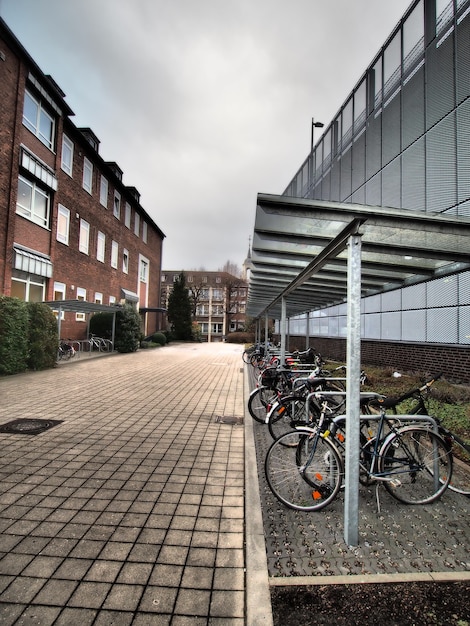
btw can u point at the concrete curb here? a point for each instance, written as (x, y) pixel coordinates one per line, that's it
(258, 597)
(435, 577)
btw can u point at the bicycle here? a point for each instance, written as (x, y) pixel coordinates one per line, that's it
(460, 450)
(101, 344)
(305, 467)
(65, 351)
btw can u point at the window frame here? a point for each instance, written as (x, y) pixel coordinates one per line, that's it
(100, 246)
(114, 254)
(104, 191)
(63, 225)
(30, 213)
(125, 261)
(117, 205)
(87, 180)
(35, 126)
(84, 237)
(68, 146)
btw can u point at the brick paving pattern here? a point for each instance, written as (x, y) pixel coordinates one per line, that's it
(132, 510)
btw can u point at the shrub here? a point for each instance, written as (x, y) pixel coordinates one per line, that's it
(159, 338)
(127, 337)
(43, 336)
(240, 337)
(101, 325)
(13, 335)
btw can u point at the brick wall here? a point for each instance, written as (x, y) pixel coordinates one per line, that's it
(452, 360)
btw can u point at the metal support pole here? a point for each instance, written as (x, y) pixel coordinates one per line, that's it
(266, 334)
(283, 330)
(307, 331)
(353, 362)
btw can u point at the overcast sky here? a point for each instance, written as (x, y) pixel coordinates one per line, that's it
(204, 103)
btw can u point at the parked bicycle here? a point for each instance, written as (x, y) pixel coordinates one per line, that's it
(305, 467)
(65, 351)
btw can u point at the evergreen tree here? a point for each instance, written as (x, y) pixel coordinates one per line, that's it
(179, 310)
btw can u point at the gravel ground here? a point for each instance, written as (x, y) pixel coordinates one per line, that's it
(386, 604)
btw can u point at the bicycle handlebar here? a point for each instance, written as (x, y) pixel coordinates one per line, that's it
(392, 402)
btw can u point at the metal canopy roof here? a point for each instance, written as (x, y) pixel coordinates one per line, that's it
(299, 251)
(81, 306)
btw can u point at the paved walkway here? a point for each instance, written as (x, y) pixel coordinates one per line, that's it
(142, 506)
(130, 511)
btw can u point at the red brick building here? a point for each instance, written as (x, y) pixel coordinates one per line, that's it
(218, 301)
(69, 228)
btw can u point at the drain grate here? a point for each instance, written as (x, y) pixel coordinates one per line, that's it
(24, 426)
(229, 419)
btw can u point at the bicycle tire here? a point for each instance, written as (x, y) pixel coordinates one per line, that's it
(287, 410)
(418, 463)
(260, 401)
(308, 487)
(460, 479)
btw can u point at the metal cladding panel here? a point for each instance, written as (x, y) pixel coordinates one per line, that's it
(374, 144)
(391, 129)
(439, 79)
(391, 184)
(413, 108)
(414, 177)
(441, 166)
(463, 152)
(463, 60)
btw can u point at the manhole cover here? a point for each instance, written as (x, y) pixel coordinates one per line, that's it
(25, 426)
(228, 419)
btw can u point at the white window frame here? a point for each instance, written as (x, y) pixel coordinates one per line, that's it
(29, 211)
(117, 205)
(59, 289)
(114, 254)
(66, 161)
(30, 283)
(104, 191)
(112, 299)
(136, 224)
(100, 247)
(98, 297)
(35, 122)
(81, 295)
(144, 231)
(125, 261)
(84, 237)
(143, 270)
(63, 224)
(87, 175)
(128, 216)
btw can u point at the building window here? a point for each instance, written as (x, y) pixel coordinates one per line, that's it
(117, 205)
(84, 240)
(67, 155)
(125, 261)
(33, 202)
(144, 232)
(104, 191)
(217, 328)
(218, 279)
(136, 224)
(100, 246)
(59, 294)
(87, 175)
(112, 299)
(98, 298)
(38, 120)
(204, 279)
(29, 288)
(63, 224)
(81, 295)
(143, 271)
(127, 216)
(114, 254)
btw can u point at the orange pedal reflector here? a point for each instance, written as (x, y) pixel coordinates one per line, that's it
(316, 495)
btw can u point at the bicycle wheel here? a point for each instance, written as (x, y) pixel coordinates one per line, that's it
(460, 480)
(283, 413)
(303, 471)
(418, 465)
(259, 403)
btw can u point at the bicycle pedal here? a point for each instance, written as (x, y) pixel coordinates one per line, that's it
(395, 482)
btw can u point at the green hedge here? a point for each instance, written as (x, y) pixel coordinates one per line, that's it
(28, 336)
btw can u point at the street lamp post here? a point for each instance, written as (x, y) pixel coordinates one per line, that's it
(315, 125)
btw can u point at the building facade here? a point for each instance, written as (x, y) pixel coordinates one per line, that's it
(69, 228)
(218, 301)
(401, 140)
